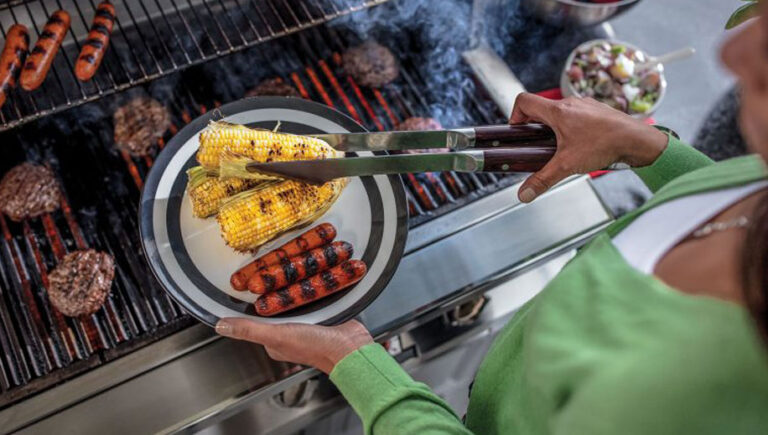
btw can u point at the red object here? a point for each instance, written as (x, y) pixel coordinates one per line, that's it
(556, 94)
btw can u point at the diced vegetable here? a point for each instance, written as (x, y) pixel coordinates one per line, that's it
(610, 73)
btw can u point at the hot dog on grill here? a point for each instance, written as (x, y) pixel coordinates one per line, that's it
(314, 238)
(40, 59)
(299, 267)
(95, 46)
(311, 289)
(12, 58)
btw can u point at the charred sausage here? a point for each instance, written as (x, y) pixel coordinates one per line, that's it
(299, 267)
(314, 238)
(12, 58)
(311, 289)
(95, 46)
(40, 59)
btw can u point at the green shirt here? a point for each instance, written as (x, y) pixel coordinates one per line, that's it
(603, 349)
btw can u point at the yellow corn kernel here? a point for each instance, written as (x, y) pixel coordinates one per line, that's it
(207, 191)
(258, 145)
(252, 218)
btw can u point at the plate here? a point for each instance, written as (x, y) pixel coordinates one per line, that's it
(190, 259)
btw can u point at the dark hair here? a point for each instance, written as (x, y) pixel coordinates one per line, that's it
(755, 268)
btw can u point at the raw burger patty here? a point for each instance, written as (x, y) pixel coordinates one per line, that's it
(139, 124)
(80, 283)
(418, 124)
(371, 64)
(273, 87)
(28, 190)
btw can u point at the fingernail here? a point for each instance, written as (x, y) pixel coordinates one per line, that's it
(527, 195)
(224, 328)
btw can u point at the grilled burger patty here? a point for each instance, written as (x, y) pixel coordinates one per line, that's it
(29, 190)
(273, 87)
(139, 124)
(419, 124)
(371, 64)
(80, 283)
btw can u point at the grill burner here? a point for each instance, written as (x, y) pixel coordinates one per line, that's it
(101, 189)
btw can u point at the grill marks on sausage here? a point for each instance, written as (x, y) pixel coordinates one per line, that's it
(310, 264)
(285, 298)
(308, 292)
(293, 269)
(311, 239)
(101, 29)
(94, 48)
(329, 281)
(39, 62)
(95, 43)
(311, 289)
(12, 58)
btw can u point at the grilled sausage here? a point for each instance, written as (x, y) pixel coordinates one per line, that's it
(40, 59)
(12, 58)
(311, 289)
(299, 267)
(314, 238)
(95, 46)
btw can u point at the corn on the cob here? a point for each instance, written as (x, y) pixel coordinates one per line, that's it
(252, 218)
(257, 145)
(207, 191)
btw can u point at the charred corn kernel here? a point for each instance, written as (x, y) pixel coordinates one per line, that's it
(207, 191)
(252, 218)
(257, 145)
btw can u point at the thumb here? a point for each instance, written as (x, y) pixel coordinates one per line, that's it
(248, 330)
(539, 182)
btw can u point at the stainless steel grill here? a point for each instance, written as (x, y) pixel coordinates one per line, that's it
(152, 39)
(40, 346)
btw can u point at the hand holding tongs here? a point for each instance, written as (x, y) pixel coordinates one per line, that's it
(493, 148)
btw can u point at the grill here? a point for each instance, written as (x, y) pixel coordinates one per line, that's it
(187, 32)
(41, 347)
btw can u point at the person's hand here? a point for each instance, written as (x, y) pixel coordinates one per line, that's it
(311, 345)
(590, 136)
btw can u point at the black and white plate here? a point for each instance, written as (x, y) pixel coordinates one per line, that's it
(190, 259)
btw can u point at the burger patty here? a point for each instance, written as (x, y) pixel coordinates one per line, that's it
(29, 190)
(371, 64)
(273, 87)
(419, 124)
(139, 124)
(80, 283)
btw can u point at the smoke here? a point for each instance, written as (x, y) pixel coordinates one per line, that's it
(428, 36)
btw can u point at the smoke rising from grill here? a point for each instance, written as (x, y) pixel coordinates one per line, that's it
(432, 35)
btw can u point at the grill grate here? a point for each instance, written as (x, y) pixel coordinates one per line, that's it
(40, 346)
(152, 39)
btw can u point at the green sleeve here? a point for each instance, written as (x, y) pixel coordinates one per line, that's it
(677, 159)
(388, 400)
(665, 394)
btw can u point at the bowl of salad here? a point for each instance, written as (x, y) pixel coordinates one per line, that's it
(614, 73)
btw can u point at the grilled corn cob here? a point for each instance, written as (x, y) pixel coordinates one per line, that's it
(207, 191)
(258, 145)
(252, 218)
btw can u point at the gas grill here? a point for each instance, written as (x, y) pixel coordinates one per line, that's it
(193, 56)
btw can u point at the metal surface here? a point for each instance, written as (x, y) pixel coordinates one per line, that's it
(322, 171)
(399, 140)
(576, 12)
(224, 376)
(152, 39)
